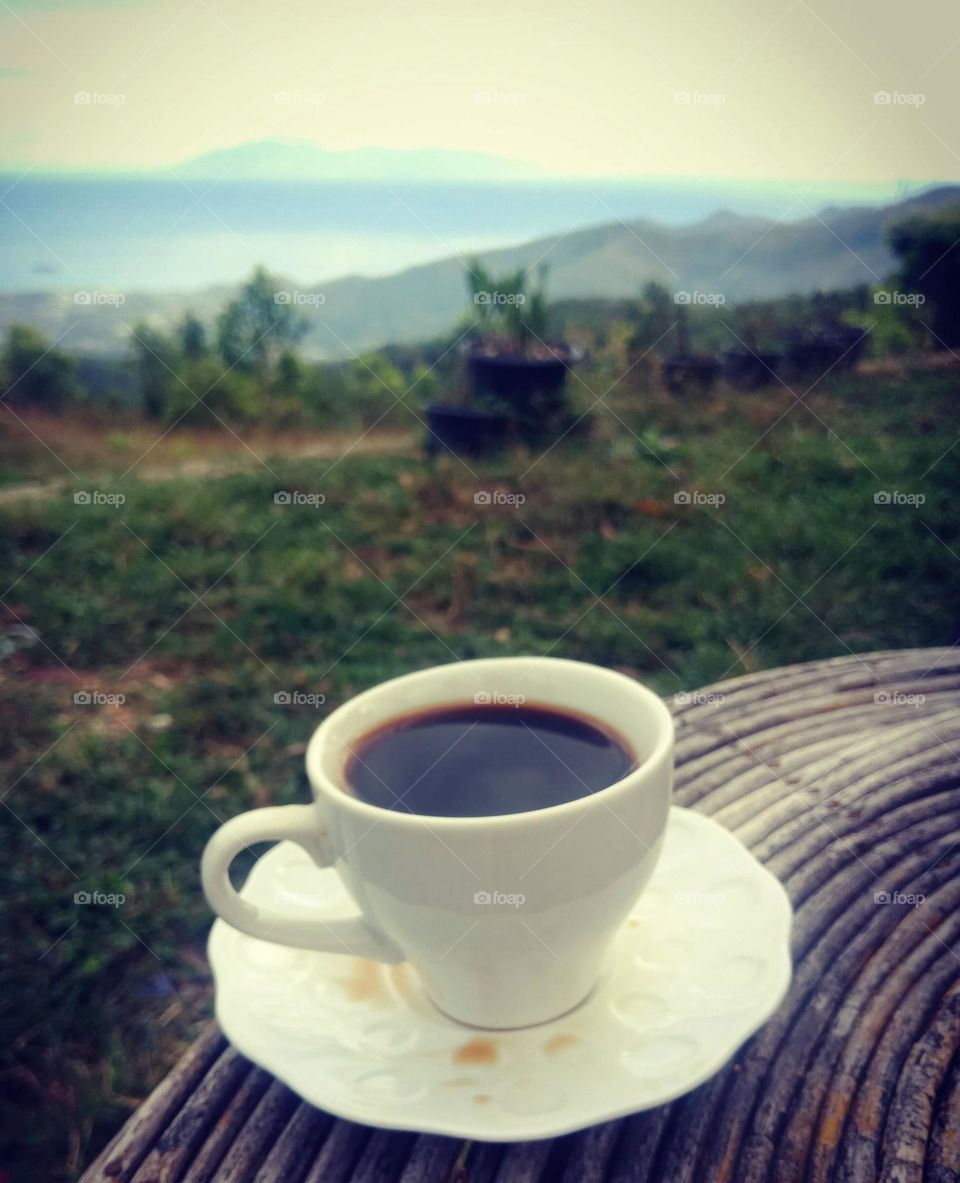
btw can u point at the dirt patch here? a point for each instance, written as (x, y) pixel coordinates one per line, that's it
(150, 454)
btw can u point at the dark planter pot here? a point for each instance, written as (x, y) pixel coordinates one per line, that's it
(518, 381)
(464, 431)
(685, 371)
(744, 368)
(836, 349)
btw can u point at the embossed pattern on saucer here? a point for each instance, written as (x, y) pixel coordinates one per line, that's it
(701, 963)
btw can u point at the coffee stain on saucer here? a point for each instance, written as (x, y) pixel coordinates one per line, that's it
(366, 982)
(476, 1051)
(482, 1099)
(560, 1043)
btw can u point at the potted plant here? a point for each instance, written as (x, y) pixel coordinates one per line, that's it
(747, 365)
(515, 373)
(749, 369)
(513, 365)
(836, 347)
(465, 430)
(684, 368)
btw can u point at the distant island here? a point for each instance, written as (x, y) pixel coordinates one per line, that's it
(300, 160)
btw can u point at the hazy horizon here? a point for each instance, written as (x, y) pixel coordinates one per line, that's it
(524, 171)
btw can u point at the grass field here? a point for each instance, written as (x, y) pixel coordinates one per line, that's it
(184, 610)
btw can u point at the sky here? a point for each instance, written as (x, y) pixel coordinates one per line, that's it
(861, 90)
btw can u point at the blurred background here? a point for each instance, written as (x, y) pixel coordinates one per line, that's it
(337, 342)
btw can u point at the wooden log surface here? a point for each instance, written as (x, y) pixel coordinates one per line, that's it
(843, 777)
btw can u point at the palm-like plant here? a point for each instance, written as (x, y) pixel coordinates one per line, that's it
(510, 306)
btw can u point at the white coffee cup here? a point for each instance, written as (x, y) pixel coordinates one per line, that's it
(505, 918)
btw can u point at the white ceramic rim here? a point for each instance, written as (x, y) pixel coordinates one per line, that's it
(645, 700)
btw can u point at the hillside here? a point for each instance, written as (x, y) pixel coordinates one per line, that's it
(740, 257)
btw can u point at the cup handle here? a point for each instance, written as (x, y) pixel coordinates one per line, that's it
(294, 823)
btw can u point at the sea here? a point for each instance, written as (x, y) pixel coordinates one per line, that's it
(168, 234)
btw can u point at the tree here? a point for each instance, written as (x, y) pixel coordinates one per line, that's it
(34, 373)
(655, 312)
(156, 359)
(254, 330)
(289, 377)
(193, 338)
(210, 396)
(756, 325)
(929, 252)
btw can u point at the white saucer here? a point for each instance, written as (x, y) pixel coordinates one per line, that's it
(702, 962)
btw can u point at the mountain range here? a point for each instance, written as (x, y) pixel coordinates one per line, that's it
(737, 256)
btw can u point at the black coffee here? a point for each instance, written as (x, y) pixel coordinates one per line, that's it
(481, 760)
